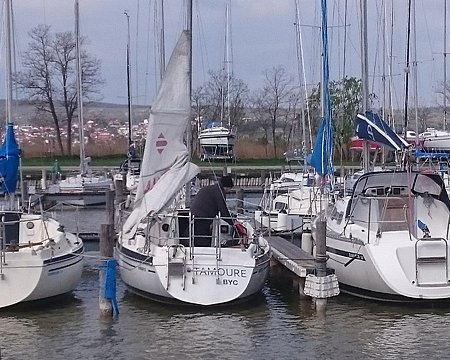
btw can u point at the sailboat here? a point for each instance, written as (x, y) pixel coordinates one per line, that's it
(156, 251)
(85, 184)
(217, 137)
(38, 258)
(290, 201)
(387, 240)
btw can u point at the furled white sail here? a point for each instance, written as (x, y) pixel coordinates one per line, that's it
(165, 165)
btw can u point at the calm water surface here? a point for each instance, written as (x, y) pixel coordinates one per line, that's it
(275, 325)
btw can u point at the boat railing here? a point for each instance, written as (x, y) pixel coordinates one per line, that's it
(382, 213)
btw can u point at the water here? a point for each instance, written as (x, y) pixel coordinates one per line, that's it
(274, 325)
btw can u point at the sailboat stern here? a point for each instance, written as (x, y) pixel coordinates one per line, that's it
(210, 275)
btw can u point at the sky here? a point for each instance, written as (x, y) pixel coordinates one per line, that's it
(263, 34)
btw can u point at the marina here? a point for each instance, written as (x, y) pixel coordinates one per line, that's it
(276, 323)
(171, 261)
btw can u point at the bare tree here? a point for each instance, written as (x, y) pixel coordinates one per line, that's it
(224, 97)
(49, 77)
(275, 94)
(258, 104)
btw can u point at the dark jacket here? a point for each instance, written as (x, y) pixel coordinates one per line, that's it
(209, 202)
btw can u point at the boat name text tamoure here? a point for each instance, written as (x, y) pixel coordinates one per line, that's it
(236, 273)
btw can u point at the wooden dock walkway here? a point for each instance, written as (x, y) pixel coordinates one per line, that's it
(291, 256)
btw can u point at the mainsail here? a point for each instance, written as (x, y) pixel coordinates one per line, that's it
(165, 164)
(371, 127)
(9, 161)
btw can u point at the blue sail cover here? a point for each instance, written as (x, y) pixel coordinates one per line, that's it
(9, 161)
(322, 154)
(371, 127)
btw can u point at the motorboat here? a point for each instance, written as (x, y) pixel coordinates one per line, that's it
(289, 202)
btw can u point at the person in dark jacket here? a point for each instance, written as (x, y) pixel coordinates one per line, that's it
(207, 204)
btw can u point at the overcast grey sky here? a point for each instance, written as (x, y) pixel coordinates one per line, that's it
(263, 36)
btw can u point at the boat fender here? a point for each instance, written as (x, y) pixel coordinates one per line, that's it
(128, 202)
(110, 284)
(242, 232)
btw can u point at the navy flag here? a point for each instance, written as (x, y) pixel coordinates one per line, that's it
(371, 127)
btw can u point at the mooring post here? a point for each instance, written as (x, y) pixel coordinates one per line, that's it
(321, 259)
(110, 207)
(263, 178)
(240, 201)
(107, 280)
(118, 187)
(44, 180)
(106, 253)
(25, 193)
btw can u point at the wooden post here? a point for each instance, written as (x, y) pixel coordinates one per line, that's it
(240, 201)
(25, 193)
(321, 259)
(44, 180)
(263, 178)
(110, 207)
(106, 251)
(118, 186)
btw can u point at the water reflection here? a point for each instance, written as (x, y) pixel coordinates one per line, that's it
(276, 324)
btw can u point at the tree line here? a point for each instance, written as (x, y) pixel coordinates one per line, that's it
(281, 112)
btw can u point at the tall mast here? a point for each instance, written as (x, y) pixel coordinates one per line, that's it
(9, 87)
(130, 121)
(408, 40)
(189, 132)
(365, 78)
(162, 53)
(298, 40)
(79, 88)
(445, 65)
(228, 61)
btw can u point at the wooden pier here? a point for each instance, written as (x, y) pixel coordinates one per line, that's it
(292, 257)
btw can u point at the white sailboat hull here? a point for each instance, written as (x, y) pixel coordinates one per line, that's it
(201, 280)
(439, 143)
(388, 242)
(386, 272)
(44, 269)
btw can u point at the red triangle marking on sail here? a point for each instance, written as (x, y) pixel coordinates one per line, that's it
(161, 143)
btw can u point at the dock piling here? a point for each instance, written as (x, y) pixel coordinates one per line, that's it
(107, 273)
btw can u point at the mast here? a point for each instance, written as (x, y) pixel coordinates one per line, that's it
(130, 121)
(228, 58)
(408, 40)
(9, 87)
(365, 78)
(298, 40)
(79, 88)
(162, 53)
(307, 144)
(189, 132)
(445, 65)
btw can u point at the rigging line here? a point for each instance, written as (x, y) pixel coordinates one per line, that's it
(303, 71)
(136, 62)
(147, 52)
(156, 48)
